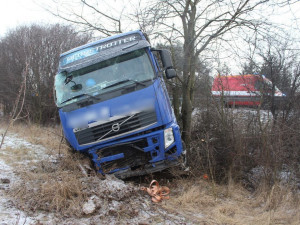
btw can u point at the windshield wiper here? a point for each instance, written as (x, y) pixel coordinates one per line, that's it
(78, 96)
(124, 81)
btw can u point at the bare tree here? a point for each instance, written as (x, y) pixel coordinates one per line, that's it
(104, 17)
(18, 105)
(39, 48)
(276, 57)
(198, 24)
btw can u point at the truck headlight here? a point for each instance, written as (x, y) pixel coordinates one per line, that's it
(169, 137)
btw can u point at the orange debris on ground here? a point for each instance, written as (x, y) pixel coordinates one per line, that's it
(157, 192)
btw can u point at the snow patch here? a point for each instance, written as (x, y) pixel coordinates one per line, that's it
(8, 213)
(89, 207)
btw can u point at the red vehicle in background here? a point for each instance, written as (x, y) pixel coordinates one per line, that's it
(244, 90)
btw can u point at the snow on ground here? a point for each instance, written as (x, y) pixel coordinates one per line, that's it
(9, 165)
(264, 115)
(239, 114)
(108, 213)
(8, 213)
(15, 142)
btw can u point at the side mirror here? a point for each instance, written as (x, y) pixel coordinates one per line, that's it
(170, 73)
(166, 58)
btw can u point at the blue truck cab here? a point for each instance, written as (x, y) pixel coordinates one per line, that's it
(113, 104)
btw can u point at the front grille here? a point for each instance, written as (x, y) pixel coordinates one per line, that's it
(104, 131)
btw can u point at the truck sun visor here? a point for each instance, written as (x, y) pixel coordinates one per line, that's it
(94, 55)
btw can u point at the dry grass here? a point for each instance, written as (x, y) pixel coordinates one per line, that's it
(49, 137)
(20, 154)
(59, 192)
(54, 182)
(57, 184)
(232, 204)
(49, 181)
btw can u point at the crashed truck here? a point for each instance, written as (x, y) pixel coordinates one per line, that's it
(113, 104)
(246, 90)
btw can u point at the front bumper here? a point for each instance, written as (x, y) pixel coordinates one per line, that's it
(138, 155)
(150, 168)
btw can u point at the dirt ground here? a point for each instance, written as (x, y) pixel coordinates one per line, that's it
(42, 182)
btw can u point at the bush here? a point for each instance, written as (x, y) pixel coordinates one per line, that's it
(246, 145)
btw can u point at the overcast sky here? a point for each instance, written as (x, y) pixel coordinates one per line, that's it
(20, 12)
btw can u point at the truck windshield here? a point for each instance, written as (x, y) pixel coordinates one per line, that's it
(134, 67)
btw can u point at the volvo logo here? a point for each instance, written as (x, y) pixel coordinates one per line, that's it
(115, 127)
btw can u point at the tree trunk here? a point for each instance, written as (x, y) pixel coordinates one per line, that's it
(186, 114)
(186, 110)
(176, 101)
